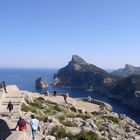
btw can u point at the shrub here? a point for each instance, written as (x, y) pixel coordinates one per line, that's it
(69, 124)
(27, 108)
(112, 118)
(58, 131)
(83, 116)
(87, 136)
(73, 109)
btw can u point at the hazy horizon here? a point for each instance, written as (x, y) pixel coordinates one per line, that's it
(45, 34)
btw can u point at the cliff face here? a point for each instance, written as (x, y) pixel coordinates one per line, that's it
(128, 91)
(78, 73)
(127, 71)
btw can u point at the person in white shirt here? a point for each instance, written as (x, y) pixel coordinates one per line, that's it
(34, 123)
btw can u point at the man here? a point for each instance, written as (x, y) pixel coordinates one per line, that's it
(10, 106)
(34, 123)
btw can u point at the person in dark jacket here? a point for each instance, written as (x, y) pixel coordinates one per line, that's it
(10, 106)
(3, 85)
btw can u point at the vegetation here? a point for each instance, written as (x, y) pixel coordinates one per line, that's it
(112, 118)
(87, 136)
(69, 124)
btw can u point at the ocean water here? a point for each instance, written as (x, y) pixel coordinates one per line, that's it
(25, 80)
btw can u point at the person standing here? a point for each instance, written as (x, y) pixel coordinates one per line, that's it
(22, 124)
(10, 106)
(3, 85)
(65, 98)
(34, 123)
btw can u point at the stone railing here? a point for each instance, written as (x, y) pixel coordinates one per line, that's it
(100, 103)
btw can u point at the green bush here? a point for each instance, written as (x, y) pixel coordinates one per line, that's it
(73, 109)
(37, 103)
(83, 116)
(61, 118)
(58, 131)
(87, 136)
(69, 124)
(112, 118)
(27, 108)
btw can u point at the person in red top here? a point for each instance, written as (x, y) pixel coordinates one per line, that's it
(22, 124)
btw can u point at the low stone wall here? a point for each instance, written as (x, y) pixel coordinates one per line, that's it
(100, 103)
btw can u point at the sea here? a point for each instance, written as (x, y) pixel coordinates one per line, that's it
(25, 79)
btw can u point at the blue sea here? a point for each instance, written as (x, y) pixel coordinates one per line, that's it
(25, 80)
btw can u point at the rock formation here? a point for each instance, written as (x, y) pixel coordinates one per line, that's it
(64, 121)
(80, 74)
(60, 121)
(127, 71)
(128, 91)
(41, 83)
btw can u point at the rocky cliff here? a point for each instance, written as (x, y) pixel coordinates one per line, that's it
(127, 71)
(80, 74)
(60, 121)
(128, 91)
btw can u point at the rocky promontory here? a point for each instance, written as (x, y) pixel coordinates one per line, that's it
(76, 120)
(80, 74)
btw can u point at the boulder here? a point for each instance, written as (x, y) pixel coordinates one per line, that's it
(41, 83)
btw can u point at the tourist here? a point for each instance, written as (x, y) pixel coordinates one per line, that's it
(89, 98)
(34, 123)
(65, 98)
(54, 93)
(3, 85)
(22, 124)
(46, 93)
(10, 106)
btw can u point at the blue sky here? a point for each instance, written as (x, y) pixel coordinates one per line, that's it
(46, 33)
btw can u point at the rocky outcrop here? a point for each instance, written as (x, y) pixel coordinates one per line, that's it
(128, 91)
(41, 83)
(80, 74)
(58, 121)
(127, 71)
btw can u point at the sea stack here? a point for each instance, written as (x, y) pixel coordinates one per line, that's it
(41, 83)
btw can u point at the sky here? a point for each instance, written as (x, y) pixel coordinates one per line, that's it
(46, 33)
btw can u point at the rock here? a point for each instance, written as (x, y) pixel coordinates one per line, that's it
(28, 99)
(41, 83)
(91, 123)
(49, 137)
(73, 130)
(127, 91)
(52, 119)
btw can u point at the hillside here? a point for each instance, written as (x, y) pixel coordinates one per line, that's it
(77, 120)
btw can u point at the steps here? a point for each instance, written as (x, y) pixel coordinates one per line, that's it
(16, 97)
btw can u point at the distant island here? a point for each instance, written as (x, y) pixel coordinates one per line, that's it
(123, 84)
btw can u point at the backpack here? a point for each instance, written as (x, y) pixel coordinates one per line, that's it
(22, 123)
